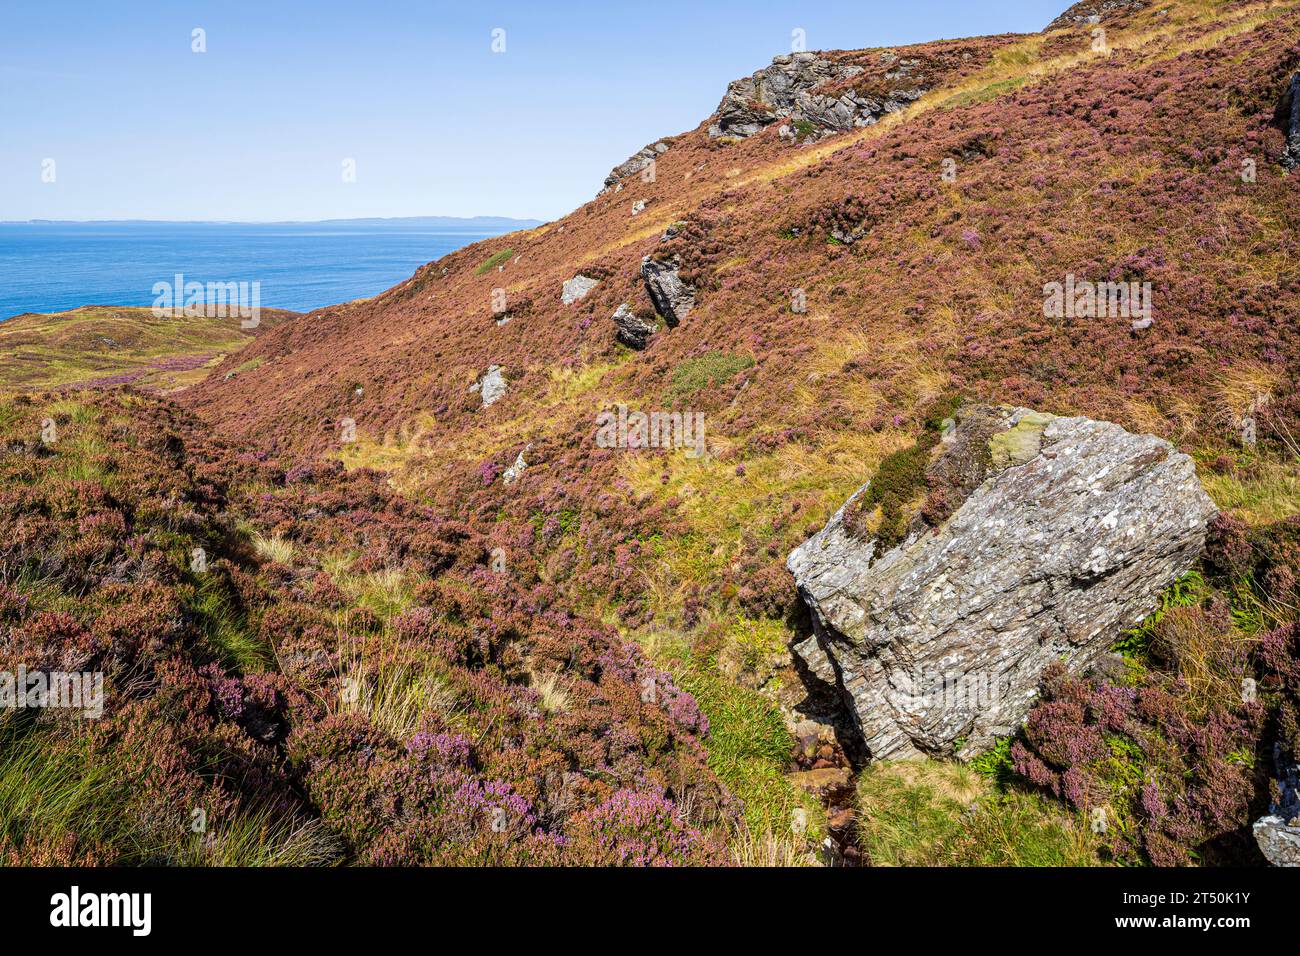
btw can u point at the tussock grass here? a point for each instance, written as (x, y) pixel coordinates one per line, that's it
(275, 548)
(262, 837)
(555, 699)
(385, 593)
(67, 794)
(226, 626)
(768, 849)
(931, 813)
(393, 696)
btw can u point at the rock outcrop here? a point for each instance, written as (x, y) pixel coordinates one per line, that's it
(633, 165)
(492, 386)
(1279, 840)
(673, 297)
(1093, 11)
(575, 288)
(1290, 116)
(793, 88)
(1278, 834)
(1060, 532)
(514, 471)
(631, 329)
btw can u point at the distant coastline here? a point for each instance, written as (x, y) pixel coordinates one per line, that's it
(49, 266)
(508, 222)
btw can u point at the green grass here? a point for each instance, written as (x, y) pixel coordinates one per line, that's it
(226, 626)
(67, 794)
(50, 351)
(494, 260)
(712, 368)
(749, 749)
(930, 813)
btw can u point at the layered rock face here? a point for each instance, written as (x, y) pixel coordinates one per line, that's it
(1068, 531)
(788, 89)
(633, 164)
(631, 329)
(1291, 124)
(672, 296)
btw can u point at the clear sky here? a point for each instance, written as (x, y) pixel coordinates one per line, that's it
(258, 127)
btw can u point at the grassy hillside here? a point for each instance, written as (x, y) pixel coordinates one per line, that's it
(100, 346)
(846, 287)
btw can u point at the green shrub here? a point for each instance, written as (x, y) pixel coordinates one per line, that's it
(494, 260)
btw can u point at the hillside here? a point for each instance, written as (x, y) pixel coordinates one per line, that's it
(100, 346)
(417, 492)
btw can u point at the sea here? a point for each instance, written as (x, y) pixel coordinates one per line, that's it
(55, 266)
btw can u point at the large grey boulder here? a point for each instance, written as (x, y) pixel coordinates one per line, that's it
(673, 297)
(1061, 532)
(1291, 124)
(793, 88)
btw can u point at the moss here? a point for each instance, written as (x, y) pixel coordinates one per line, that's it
(1020, 443)
(899, 481)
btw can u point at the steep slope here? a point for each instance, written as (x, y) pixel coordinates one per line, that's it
(844, 278)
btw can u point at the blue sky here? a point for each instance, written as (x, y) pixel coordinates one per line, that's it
(258, 127)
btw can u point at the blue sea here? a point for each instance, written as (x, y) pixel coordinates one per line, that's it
(50, 267)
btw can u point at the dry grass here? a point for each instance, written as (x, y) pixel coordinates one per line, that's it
(1269, 492)
(771, 850)
(394, 697)
(275, 549)
(555, 699)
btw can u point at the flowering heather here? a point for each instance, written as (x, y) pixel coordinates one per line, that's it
(416, 735)
(355, 654)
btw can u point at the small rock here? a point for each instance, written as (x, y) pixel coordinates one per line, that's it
(492, 386)
(515, 470)
(841, 821)
(576, 288)
(1279, 840)
(821, 782)
(633, 330)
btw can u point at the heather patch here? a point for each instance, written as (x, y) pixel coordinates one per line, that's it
(334, 664)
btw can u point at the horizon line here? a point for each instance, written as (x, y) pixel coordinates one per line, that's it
(270, 222)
